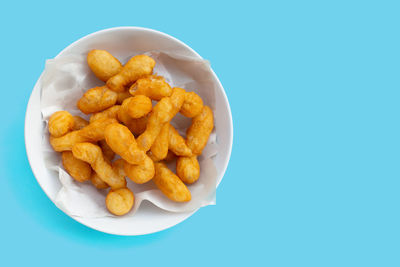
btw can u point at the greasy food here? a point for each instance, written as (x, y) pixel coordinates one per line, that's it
(93, 155)
(192, 105)
(78, 169)
(177, 144)
(122, 142)
(151, 86)
(161, 114)
(103, 64)
(124, 124)
(60, 123)
(170, 184)
(159, 149)
(140, 173)
(188, 169)
(111, 112)
(97, 99)
(92, 133)
(199, 131)
(137, 67)
(139, 106)
(120, 201)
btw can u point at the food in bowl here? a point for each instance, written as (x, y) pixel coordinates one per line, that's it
(124, 122)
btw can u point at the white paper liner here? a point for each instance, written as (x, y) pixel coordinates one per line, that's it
(64, 81)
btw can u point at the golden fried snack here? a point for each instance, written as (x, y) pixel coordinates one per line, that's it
(92, 154)
(78, 169)
(170, 184)
(178, 97)
(152, 157)
(122, 114)
(141, 173)
(79, 123)
(177, 144)
(92, 133)
(121, 96)
(66, 142)
(163, 112)
(137, 67)
(60, 123)
(97, 182)
(159, 149)
(103, 64)
(122, 142)
(108, 113)
(108, 153)
(192, 105)
(188, 169)
(120, 202)
(152, 86)
(139, 106)
(97, 99)
(95, 130)
(199, 131)
(136, 126)
(160, 115)
(118, 167)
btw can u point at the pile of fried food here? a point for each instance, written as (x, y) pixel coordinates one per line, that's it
(124, 121)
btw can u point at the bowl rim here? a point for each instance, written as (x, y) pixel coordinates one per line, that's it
(75, 43)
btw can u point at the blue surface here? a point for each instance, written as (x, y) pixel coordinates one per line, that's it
(314, 175)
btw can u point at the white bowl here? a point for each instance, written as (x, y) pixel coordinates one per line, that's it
(120, 42)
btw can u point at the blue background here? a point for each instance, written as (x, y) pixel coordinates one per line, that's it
(314, 92)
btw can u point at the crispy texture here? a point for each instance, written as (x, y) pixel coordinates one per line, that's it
(108, 153)
(136, 126)
(137, 67)
(92, 133)
(66, 142)
(60, 123)
(97, 182)
(192, 105)
(78, 169)
(188, 169)
(79, 123)
(170, 184)
(152, 86)
(178, 97)
(95, 130)
(118, 167)
(177, 144)
(122, 114)
(159, 149)
(111, 112)
(152, 157)
(161, 114)
(139, 106)
(119, 202)
(141, 173)
(199, 131)
(97, 99)
(122, 142)
(93, 155)
(121, 96)
(103, 64)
